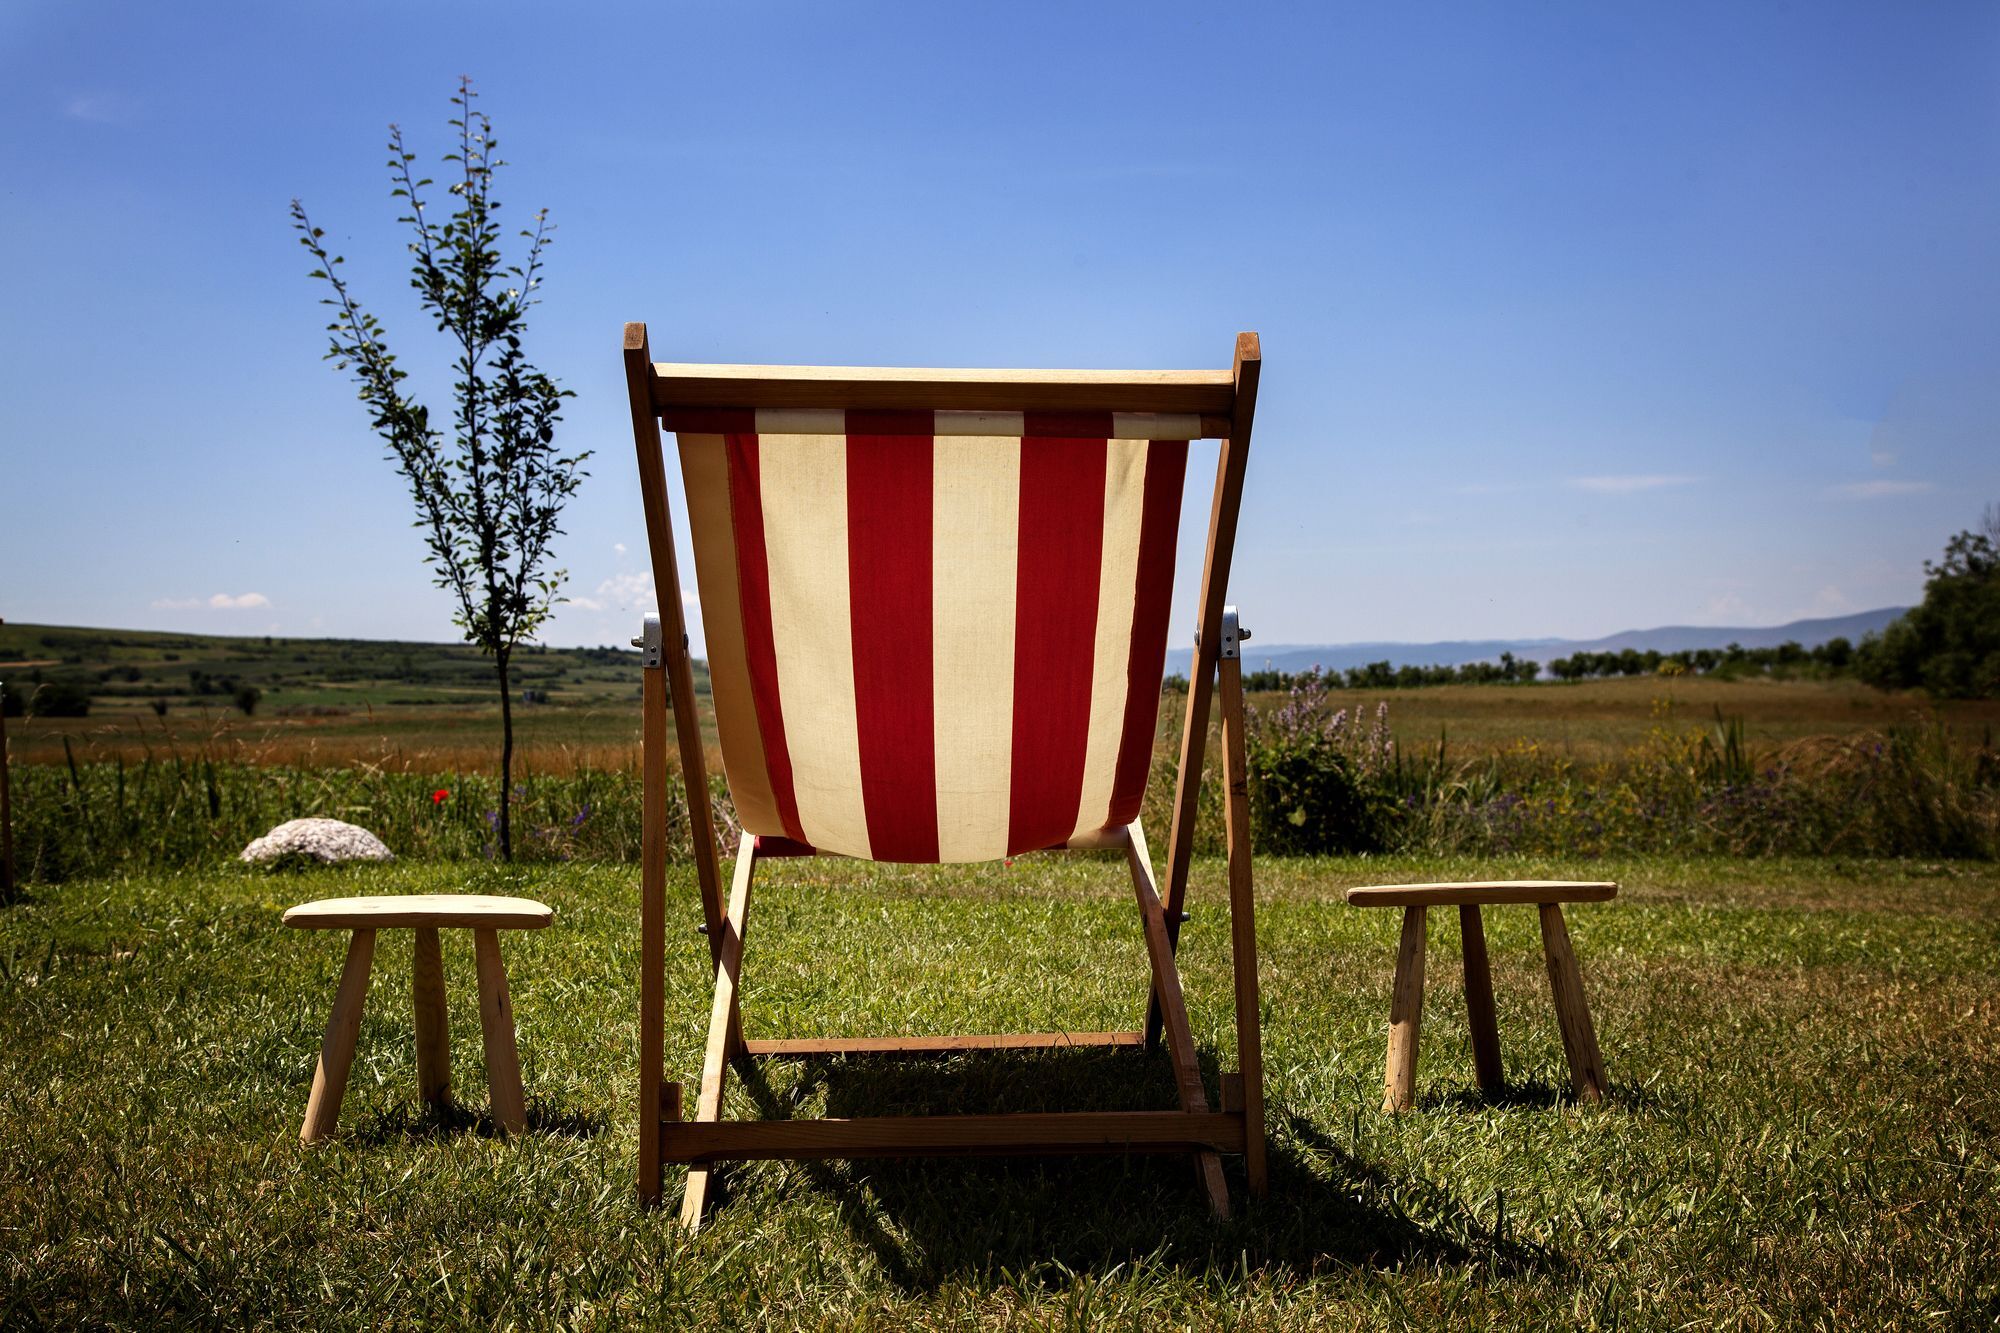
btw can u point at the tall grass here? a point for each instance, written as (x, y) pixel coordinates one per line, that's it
(1903, 792)
(75, 819)
(1326, 776)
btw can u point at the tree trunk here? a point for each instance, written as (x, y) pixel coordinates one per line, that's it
(506, 760)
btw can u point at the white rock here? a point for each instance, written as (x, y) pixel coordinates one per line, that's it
(327, 840)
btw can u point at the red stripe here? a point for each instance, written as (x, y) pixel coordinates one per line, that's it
(768, 846)
(893, 421)
(889, 582)
(753, 579)
(1055, 635)
(1152, 600)
(1072, 426)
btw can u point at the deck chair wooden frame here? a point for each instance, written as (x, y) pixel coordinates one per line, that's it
(1226, 401)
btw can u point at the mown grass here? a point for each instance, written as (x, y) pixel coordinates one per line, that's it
(1802, 1129)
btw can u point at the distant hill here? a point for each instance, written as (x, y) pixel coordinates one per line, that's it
(1457, 652)
(133, 670)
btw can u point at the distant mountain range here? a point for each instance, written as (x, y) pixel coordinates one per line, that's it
(1457, 652)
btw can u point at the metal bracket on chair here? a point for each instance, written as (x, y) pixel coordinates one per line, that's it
(1233, 635)
(649, 642)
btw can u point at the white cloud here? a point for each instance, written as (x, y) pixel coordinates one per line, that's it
(1728, 607)
(618, 547)
(632, 592)
(100, 108)
(222, 601)
(628, 592)
(1879, 489)
(1628, 484)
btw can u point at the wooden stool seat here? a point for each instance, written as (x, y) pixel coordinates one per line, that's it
(1406, 1004)
(471, 910)
(423, 914)
(1483, 892)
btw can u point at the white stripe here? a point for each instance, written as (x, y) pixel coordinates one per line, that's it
(801, 421)
(1117, 598)
(803, 480)
(975, 541)
(1155, 426)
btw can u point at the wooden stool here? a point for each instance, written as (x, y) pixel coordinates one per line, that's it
(424, 913)
(1406, 1003)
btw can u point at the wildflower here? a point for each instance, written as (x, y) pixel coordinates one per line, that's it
(440, 796)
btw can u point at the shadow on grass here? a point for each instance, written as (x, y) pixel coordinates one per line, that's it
(1540, 1094)
(1532, 1094)
(414, 1121)
(1048, 1219)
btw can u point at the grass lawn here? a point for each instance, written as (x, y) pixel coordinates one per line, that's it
(1802, 1131)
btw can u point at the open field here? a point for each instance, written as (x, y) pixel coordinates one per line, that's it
(1804, 1128)
(430, 707)
(1598, 720)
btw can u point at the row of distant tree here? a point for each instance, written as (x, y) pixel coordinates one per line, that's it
(1949, 645)
(1832, 658)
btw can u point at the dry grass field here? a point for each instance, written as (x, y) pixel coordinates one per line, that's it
(1590, 722)
(1601, 719)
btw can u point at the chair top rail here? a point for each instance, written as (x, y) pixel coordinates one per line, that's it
(683, 385)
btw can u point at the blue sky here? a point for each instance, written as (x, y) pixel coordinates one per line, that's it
(1576, 317)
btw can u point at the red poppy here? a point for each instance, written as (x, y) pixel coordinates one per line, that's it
(440, 796)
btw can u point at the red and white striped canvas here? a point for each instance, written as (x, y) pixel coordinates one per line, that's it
(934, 636)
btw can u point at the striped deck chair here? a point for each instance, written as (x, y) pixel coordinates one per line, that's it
(936, 608)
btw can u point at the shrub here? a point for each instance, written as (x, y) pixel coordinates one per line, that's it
(1320, 777)
(1950, 642)
(59, 698)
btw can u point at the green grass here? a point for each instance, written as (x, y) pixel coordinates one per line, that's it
(1802, 1129)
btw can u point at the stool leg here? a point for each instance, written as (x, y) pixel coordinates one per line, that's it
(433, 1031)
(336, 1049)
(1586, 1066)
(1406, 1011)
(1479, 1001)
(496, 1025)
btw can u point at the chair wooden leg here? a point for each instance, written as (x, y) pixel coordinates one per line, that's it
(1173, 1012)
(428, 1011)
(652, 927)
(496, 1025)
(1586, 1065)
(1243, 929)
(1406, 1012)
(723, 1030)
(336, 1049)
(1479, 1001)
